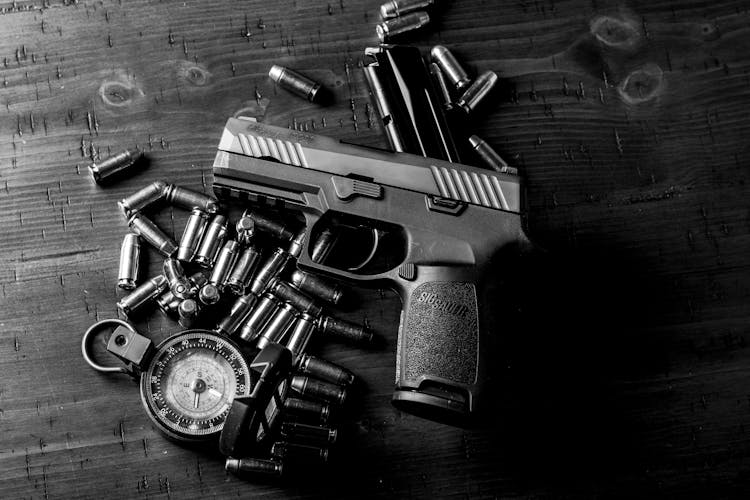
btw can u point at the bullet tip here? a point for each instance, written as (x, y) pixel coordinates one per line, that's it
(276, 72)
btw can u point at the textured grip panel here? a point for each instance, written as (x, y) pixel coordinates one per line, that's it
(442, 333)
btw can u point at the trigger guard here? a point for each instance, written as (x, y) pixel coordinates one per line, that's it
(376, 241)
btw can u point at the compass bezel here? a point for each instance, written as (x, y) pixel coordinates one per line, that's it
(169, 420)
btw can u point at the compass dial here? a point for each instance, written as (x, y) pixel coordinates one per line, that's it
(190, 384)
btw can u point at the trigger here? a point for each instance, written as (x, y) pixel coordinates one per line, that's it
(376, 233)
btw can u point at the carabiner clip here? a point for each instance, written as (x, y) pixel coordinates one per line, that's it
(85, 346)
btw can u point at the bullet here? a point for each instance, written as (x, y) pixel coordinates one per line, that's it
(113, 165)
(396, 8)
(344, 329)
(209, 294)
(294, 82)
(302, 330)
(311, 411)
(393, 27)
(224, 263)
(490, 157)
(190, 200)
(154, 236)
(317, 287)
(191, 236)
(324, 370)
(450, 67)
(212, 240)
(299, 300)
(316, 389)
(258, 318)
(478, 90)
(254, 466)
(297, 243)
(323, 245)
(269, 225)
(178, 282)
(277, 325)
(142, 198)
(145, 293)
(240, 312)
(273, 266)
(130, 255)
(299, 453)
(446, 101)
(308, 434)
(243, 270)
(188, 313)
(245, 229)
(168, 303)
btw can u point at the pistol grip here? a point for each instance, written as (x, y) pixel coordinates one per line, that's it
(442, 343)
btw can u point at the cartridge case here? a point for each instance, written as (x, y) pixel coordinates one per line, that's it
(316, 389)
(104, 170)
(191, 236)
(299, 453)
(296, 432)
(212, 240)
(324, 370)
(273, 265)
(277, 325)
(187, 312)
(392, 28)
(292, 295)
(154, 236)
(243, 270)
(142, 198)
(295, 82)
(478, 90)
(302, 331)
(269, 225)
(209, 294)
(240, 312)
(245, 229)
(254, 466)
(130, 256)
(344, 329)
(224, 263)
(178, 282)
(258, 318)
(317, 287)
(490, 157)
(450, 67)
(395, 8)
(310, 411)
(142, 295)
(189, 199)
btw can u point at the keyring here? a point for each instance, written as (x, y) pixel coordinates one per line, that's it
(85, 345)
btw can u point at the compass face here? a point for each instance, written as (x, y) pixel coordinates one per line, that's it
(191, 382)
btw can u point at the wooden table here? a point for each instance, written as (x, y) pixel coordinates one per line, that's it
(627, 367)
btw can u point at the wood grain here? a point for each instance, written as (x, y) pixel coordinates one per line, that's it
(625, 372)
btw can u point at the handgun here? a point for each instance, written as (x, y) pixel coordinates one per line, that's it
(453, 226)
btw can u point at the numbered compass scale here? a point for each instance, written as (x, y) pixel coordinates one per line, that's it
(237, 376)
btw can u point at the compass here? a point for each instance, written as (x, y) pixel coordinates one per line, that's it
(188, 382)
(188, 386)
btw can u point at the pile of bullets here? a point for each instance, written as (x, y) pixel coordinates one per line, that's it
(271, 301)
